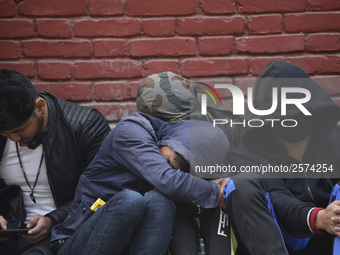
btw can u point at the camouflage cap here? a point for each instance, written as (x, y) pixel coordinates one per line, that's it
(173, 98)
(168, 96)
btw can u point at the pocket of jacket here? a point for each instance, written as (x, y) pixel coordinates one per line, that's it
(77, 217)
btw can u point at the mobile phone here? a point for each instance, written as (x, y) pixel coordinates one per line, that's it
(9, 232)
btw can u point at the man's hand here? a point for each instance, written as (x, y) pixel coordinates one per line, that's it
(42, 228)
(221, 183)
(329, 219)
(3, 224)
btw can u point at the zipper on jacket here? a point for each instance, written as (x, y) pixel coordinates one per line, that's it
(309, 190)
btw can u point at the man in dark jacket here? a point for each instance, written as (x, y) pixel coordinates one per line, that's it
(296, 150)
(45, 145)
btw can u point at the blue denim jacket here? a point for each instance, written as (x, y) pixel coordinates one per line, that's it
(129, 158)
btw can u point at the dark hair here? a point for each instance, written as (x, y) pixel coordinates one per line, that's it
(17, 99)
(185, 166)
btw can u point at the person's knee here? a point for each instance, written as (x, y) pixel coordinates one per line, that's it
(155, 198)
(248, 186)
(160, 206)
(247, 191)
(127, 200)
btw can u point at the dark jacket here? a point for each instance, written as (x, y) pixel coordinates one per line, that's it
(129, 158)
(72, 138)
(293, 194)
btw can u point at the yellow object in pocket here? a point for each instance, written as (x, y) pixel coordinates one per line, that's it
(96, 205)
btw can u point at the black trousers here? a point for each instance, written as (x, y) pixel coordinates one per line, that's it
(214, 230)
(256, 231)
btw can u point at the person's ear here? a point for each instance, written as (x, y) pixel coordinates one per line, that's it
(40, 106)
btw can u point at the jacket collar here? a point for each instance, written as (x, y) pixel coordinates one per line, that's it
(39, 138)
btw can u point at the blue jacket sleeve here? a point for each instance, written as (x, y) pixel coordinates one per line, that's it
(135, 148)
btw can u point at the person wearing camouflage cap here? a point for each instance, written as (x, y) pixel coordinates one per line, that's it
(173, 98)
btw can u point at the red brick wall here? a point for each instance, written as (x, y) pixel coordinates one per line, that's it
(94, 52)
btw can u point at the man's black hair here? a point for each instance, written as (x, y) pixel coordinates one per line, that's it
(185, 166)
(17, 99)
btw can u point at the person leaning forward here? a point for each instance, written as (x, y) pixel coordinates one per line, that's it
(142, 154)
(45, 145)
(173, 98)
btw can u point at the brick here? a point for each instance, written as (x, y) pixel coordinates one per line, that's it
(70, 91)
(106, 91)
(159, 27)
(251, 6)
(55, 70)
(211, 26)
(258, 64)
(329, 83)
(109, 48)
(215, 45)
(312, 22)
(26, 68)
(271, 44)
(132, 89)
(323, 42)
(158, 66)
(116, 111)
(214, 67)
(318, 64)
(217, 6)
(323, 5)
(160, 7)
(107, 69)
(16, 28)
(60, 49)
(266, 24)
(9, 50)
(310, 64)
(107, 7)
(7, 8)
(162, 47)
(107, 27)
(54, 28)
(52, 7)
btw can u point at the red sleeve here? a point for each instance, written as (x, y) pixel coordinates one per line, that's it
(312, 221)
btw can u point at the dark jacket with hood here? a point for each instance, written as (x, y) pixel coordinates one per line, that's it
(294, 195)
(129, 158)
(70, 141)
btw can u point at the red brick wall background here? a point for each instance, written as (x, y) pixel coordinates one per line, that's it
(95, 52)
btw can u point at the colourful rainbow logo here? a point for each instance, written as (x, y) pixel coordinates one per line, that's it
(209, 93)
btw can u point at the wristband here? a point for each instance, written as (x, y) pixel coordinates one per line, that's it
(312, 221)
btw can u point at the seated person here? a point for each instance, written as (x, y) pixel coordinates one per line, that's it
(301, 201)
(173, 98)
(131, 158)
(45, 145)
